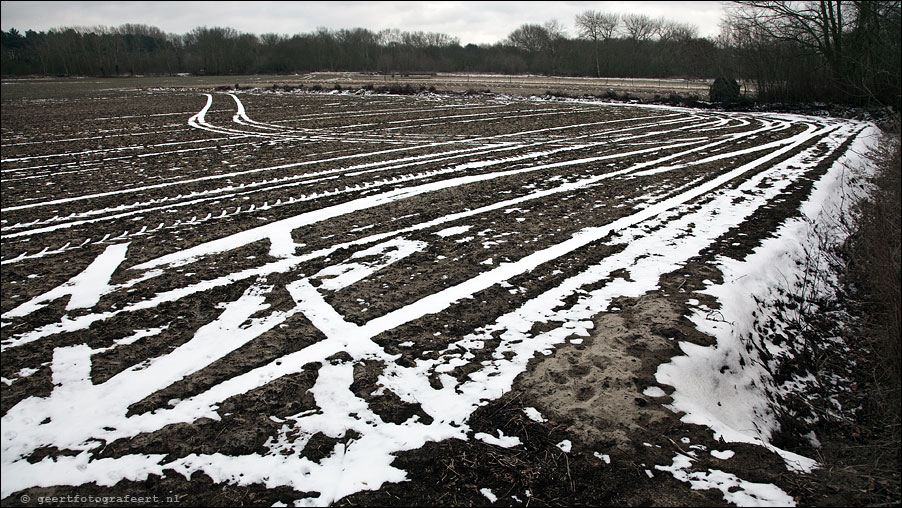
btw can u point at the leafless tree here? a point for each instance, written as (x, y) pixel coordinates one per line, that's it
(389, 36)
(674, 31)
(597, 26)
(816, 25)
(858, 41)
(272, 39)
(640, 27)
(557, 34)
(555, 29)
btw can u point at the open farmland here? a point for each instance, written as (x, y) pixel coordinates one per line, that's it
(260, 297)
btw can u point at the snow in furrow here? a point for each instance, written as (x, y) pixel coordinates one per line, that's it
(199, 117)
(98, 411)
(414, 160)
(279, 233)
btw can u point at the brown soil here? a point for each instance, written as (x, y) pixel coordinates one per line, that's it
(590, 389)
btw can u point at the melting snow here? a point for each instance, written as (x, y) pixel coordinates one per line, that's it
(488, 495)
(654, 391)
(734, 489)
(722, 455)
(502, 440)
(534, 414)
(452, 231)
(78, 414)
(734, 402)
(85, 289)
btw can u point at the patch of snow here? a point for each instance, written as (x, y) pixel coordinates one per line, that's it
(722, 455)
(534, 414)
(734, 489)
(452, 231)
(85, 289)
(736, 402)
(502, 440)
(26, 371)
(342, 275)
(139, 334)
(654, 391)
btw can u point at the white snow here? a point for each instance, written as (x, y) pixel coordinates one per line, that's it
(812, 438)
(602, 457)
(735, 490)
(734, 402)
(653, 391)
(338, 276)
(534, 414)
(79, 413)
(452, 231)
(502, 440)
(85, 289)
(488, 495)
(722, 454)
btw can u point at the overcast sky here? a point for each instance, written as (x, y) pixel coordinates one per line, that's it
(471, 22)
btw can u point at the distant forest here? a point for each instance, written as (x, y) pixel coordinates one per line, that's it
(793, 51)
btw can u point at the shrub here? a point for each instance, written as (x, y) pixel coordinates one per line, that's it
(876, 259)
(725, 91)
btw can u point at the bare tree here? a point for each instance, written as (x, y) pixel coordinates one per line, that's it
(557, 34)
(640, 27)
(555, 29)
(389, 36)
(816, 25)
(858, 41)
(674, 31)
(272, 39)
(596, 26)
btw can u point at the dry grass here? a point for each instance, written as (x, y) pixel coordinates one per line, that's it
(875, 260)
(862, 465)
(861, 442)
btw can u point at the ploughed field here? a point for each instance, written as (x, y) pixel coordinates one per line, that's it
(291, 290)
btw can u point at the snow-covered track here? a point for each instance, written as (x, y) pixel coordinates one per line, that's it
(300, 239)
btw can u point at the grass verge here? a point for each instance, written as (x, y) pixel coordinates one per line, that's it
(860, 456)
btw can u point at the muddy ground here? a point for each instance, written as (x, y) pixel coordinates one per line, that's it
(83, 171)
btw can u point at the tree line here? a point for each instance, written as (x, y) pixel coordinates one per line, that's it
(845, 51)
(139, 49)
